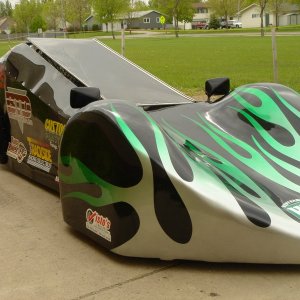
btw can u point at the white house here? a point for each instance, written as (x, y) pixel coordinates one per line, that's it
(250, 16)
(202, 14)
(289, 14)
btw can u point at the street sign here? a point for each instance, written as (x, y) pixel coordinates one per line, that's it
(162, 20)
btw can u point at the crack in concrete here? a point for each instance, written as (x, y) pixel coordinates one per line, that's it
(119, 284)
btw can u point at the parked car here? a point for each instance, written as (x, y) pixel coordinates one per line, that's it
(234, 24)
(230, 24)
(144, 170)
(199, 25)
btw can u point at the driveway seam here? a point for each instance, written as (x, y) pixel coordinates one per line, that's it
(119, 284)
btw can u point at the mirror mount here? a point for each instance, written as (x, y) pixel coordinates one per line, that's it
(82, 96)
(217, 87)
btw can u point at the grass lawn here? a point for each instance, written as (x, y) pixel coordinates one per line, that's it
(187, 62)
(5, 46)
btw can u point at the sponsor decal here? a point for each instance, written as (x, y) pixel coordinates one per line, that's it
(16, 150)
(293, 207)
(98, 224)
(40, 155)
(2, 76)
(54, 131)
(18, 106)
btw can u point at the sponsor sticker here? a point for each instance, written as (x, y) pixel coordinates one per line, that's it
(40, 155)
(98, 224)
(2, 76)
(18, 106)
(16, 150)
(293, 207)
(54, 131)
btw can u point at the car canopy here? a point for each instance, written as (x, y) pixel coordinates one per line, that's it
(96, 65)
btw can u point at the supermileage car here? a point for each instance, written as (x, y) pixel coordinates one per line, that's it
(144, 170)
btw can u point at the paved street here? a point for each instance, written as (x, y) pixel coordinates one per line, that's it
(207, 33)
(42, 258)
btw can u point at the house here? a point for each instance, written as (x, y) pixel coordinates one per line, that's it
(149, 19)
(91, 23)
(202, 14)
(289, 14)
(6, 23)
(250, 16)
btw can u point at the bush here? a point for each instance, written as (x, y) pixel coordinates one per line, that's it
(214, 23)
(95, 27)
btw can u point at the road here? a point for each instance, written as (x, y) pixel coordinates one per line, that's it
(162, 34)
(42, 258)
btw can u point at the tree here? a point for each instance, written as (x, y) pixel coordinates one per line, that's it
(224, 8)
(262, 4)
(8, 9)
(214, 23)
(52, 14)
(178, 10)
(2, 9)
(77, 12)
(140, 5)
(276, 6)
(36, 23)
(109, 11)
(133, 7)
(185, 11)
(5, 9)
(25, 13)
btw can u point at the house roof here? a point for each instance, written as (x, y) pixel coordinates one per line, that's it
(134, 15)
(6, 22)
(88, 18)
(200, 5)
(140, 14)
(246, 8)
(286, 8)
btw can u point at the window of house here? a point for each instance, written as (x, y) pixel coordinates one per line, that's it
(146, 20)
(255, 16)
(202, 10)
(157, 19)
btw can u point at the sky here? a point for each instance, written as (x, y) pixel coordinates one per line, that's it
(13, 2)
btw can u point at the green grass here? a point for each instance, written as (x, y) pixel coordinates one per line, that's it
(187, 62)
(5, 46)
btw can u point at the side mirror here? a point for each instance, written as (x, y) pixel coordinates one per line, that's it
(82, 96)
(217, 86)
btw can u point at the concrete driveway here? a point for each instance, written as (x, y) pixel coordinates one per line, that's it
(42, 258)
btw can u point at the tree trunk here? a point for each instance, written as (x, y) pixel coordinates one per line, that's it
(112, 30)
(176, 26)
(262, 32)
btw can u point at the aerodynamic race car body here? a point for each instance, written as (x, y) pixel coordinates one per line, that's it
(142, 169)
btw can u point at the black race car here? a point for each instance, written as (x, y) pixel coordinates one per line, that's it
(142, 169)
